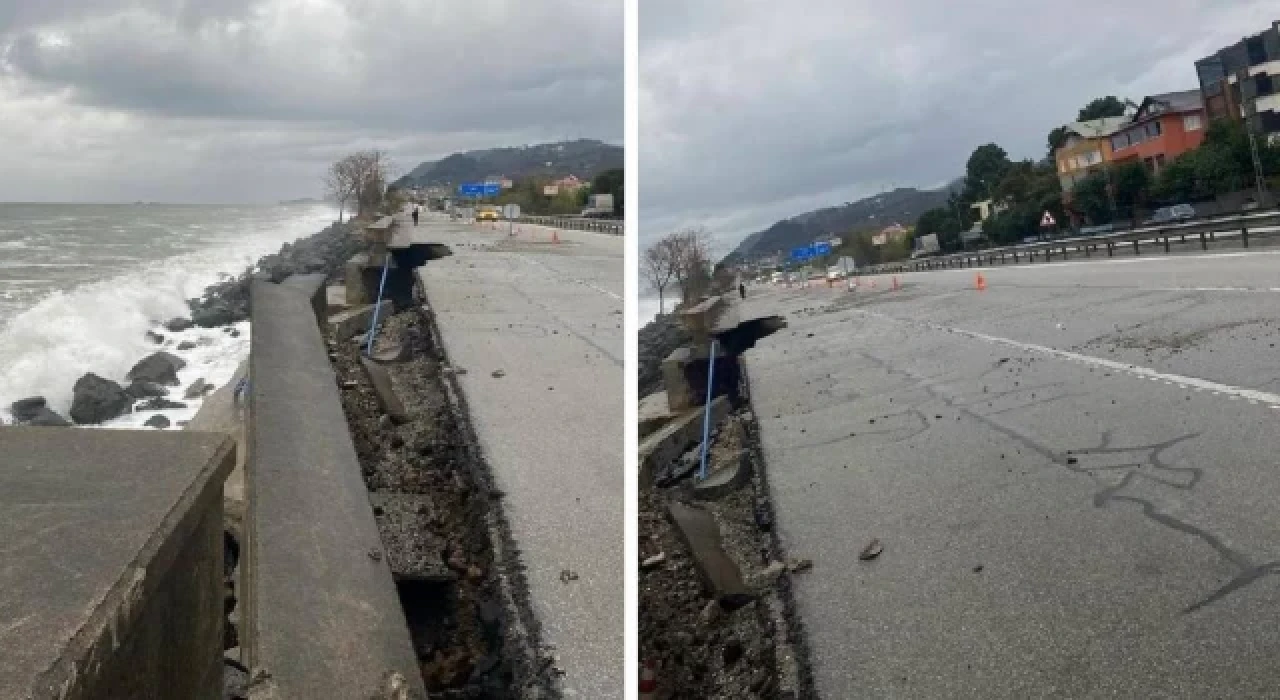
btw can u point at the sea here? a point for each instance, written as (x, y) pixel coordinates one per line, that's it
(81, 284)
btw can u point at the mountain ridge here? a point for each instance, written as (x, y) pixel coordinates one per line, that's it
(903, 205)
(582, 158)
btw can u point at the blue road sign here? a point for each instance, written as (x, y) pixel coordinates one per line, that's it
(479, 189)
(809, 252)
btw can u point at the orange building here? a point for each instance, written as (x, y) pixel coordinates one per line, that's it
(1164, 127)
(1086, 150)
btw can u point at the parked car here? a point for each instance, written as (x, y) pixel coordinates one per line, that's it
(1177, 212)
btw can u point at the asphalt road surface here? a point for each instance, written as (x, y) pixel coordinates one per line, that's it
(1074, 474)
(537, 326)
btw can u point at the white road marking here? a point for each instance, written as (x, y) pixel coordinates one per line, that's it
(1232, 392)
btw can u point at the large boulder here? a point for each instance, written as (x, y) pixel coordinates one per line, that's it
(24, 410)
(177, 325)
(198, 389)
(140, 389)
(160, 404)
(159, 368)
(97, 400)
(47, 418)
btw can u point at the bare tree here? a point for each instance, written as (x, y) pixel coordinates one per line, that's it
(658, 267)
(691, 251)
(358, 178)
(341, 184)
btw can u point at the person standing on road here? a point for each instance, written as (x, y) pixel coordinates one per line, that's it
(415, 215)
(742, 290)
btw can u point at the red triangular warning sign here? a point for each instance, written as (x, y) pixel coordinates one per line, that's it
(1047, 219)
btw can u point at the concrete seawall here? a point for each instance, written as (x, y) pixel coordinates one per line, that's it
(322, 616)
(112, 584)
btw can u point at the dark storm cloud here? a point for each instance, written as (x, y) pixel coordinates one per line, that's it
(754, 111)
(200, 77)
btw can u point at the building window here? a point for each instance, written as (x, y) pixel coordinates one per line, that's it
(1262, 85)
(1119, 141)
(1256, 50)
(1153, 129)
(1192, 122)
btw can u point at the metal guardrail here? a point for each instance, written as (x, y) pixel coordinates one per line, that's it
(1244, 226)
(615, 228)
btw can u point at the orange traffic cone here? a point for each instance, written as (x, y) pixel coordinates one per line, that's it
(555, 236)
(980, 282)
(648, 681)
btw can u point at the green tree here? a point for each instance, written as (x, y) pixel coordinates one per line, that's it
(1109, 106)
(943, 222)
(1132, 182)
(986, 167)
(1090, 198)
(1057, 139)
(610, 182)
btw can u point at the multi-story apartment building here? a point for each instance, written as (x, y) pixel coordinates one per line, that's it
(1242, 81)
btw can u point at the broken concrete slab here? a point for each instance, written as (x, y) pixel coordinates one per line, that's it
(384, 391)
(363, 276)
(684, 376)
(678, 391)
(719, 575)
(670, 441)
(731, 476)
(404, 522)
(654, 413)
(356, 320)
(335, 298)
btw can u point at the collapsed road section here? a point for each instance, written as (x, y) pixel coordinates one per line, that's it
(487, 420)
(530, 319)
(715, 615)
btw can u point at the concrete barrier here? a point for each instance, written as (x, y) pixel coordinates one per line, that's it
(112, 584)
(322, 613)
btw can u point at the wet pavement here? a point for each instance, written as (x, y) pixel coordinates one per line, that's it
(537, 327)
(1072, 474)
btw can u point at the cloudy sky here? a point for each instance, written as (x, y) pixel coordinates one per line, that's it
(249, 100)
(754, 110)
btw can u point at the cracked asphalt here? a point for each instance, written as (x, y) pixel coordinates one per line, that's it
(1073, 475)
(538, 328)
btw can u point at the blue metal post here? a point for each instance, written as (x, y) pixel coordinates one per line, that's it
(373, 324)
(706, 414)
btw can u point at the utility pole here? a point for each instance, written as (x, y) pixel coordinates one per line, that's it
(1257, 163)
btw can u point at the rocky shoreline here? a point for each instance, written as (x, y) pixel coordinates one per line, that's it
(658, 339)
(147, 385)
